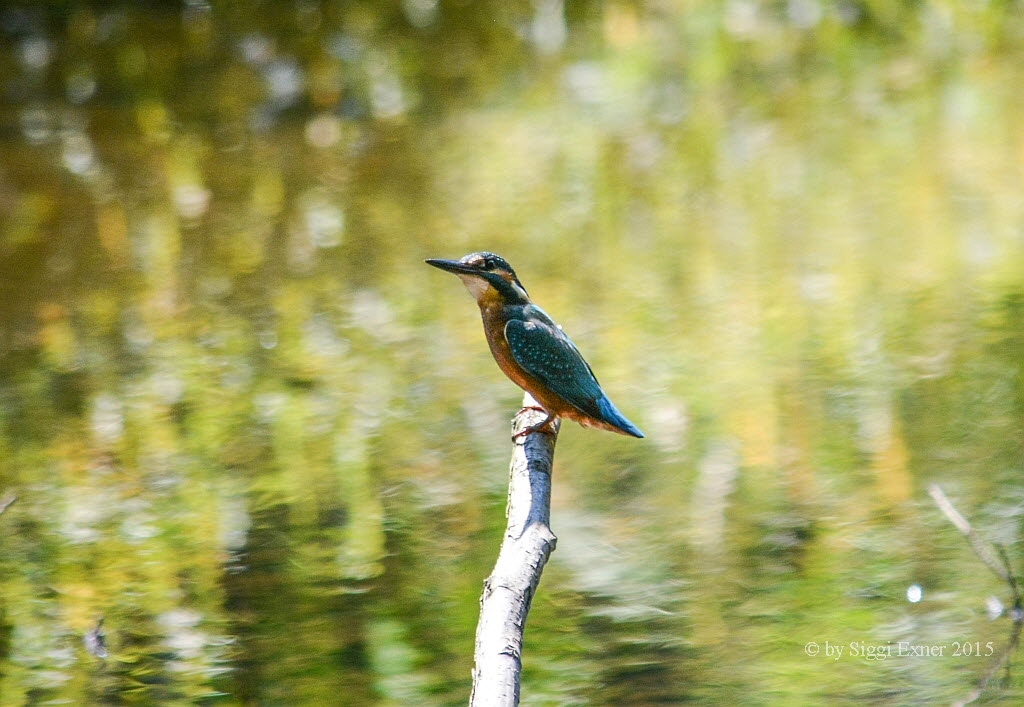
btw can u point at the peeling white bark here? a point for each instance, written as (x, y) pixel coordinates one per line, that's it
(524, 550)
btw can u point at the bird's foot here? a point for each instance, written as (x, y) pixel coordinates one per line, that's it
(544, 426)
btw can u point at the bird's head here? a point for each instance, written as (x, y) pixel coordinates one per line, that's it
(488, 277)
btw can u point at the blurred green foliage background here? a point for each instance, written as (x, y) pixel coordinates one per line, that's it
(245, 424)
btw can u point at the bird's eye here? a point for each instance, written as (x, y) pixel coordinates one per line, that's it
(489, 264)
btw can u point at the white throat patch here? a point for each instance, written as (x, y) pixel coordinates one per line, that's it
(477, 286)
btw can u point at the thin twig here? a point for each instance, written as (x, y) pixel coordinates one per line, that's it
(6, 501)
(980, 546)
(1014, 587)
(998, 662)
(993, 556)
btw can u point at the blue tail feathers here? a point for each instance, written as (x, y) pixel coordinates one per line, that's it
(611, 415)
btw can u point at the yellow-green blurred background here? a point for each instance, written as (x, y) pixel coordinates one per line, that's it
(248, 427)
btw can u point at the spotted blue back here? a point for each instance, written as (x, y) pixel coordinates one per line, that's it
(550, 356)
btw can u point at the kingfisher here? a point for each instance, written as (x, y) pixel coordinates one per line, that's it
(532, 350)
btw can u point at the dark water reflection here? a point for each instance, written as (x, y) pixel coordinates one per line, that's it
(251, 431)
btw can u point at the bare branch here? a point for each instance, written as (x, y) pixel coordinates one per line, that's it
(525, 549)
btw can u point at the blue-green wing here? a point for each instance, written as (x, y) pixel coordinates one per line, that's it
(548, 355)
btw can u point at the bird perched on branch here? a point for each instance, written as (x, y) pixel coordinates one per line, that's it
(532, 350)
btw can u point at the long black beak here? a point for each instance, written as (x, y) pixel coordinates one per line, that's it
(452, 266)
